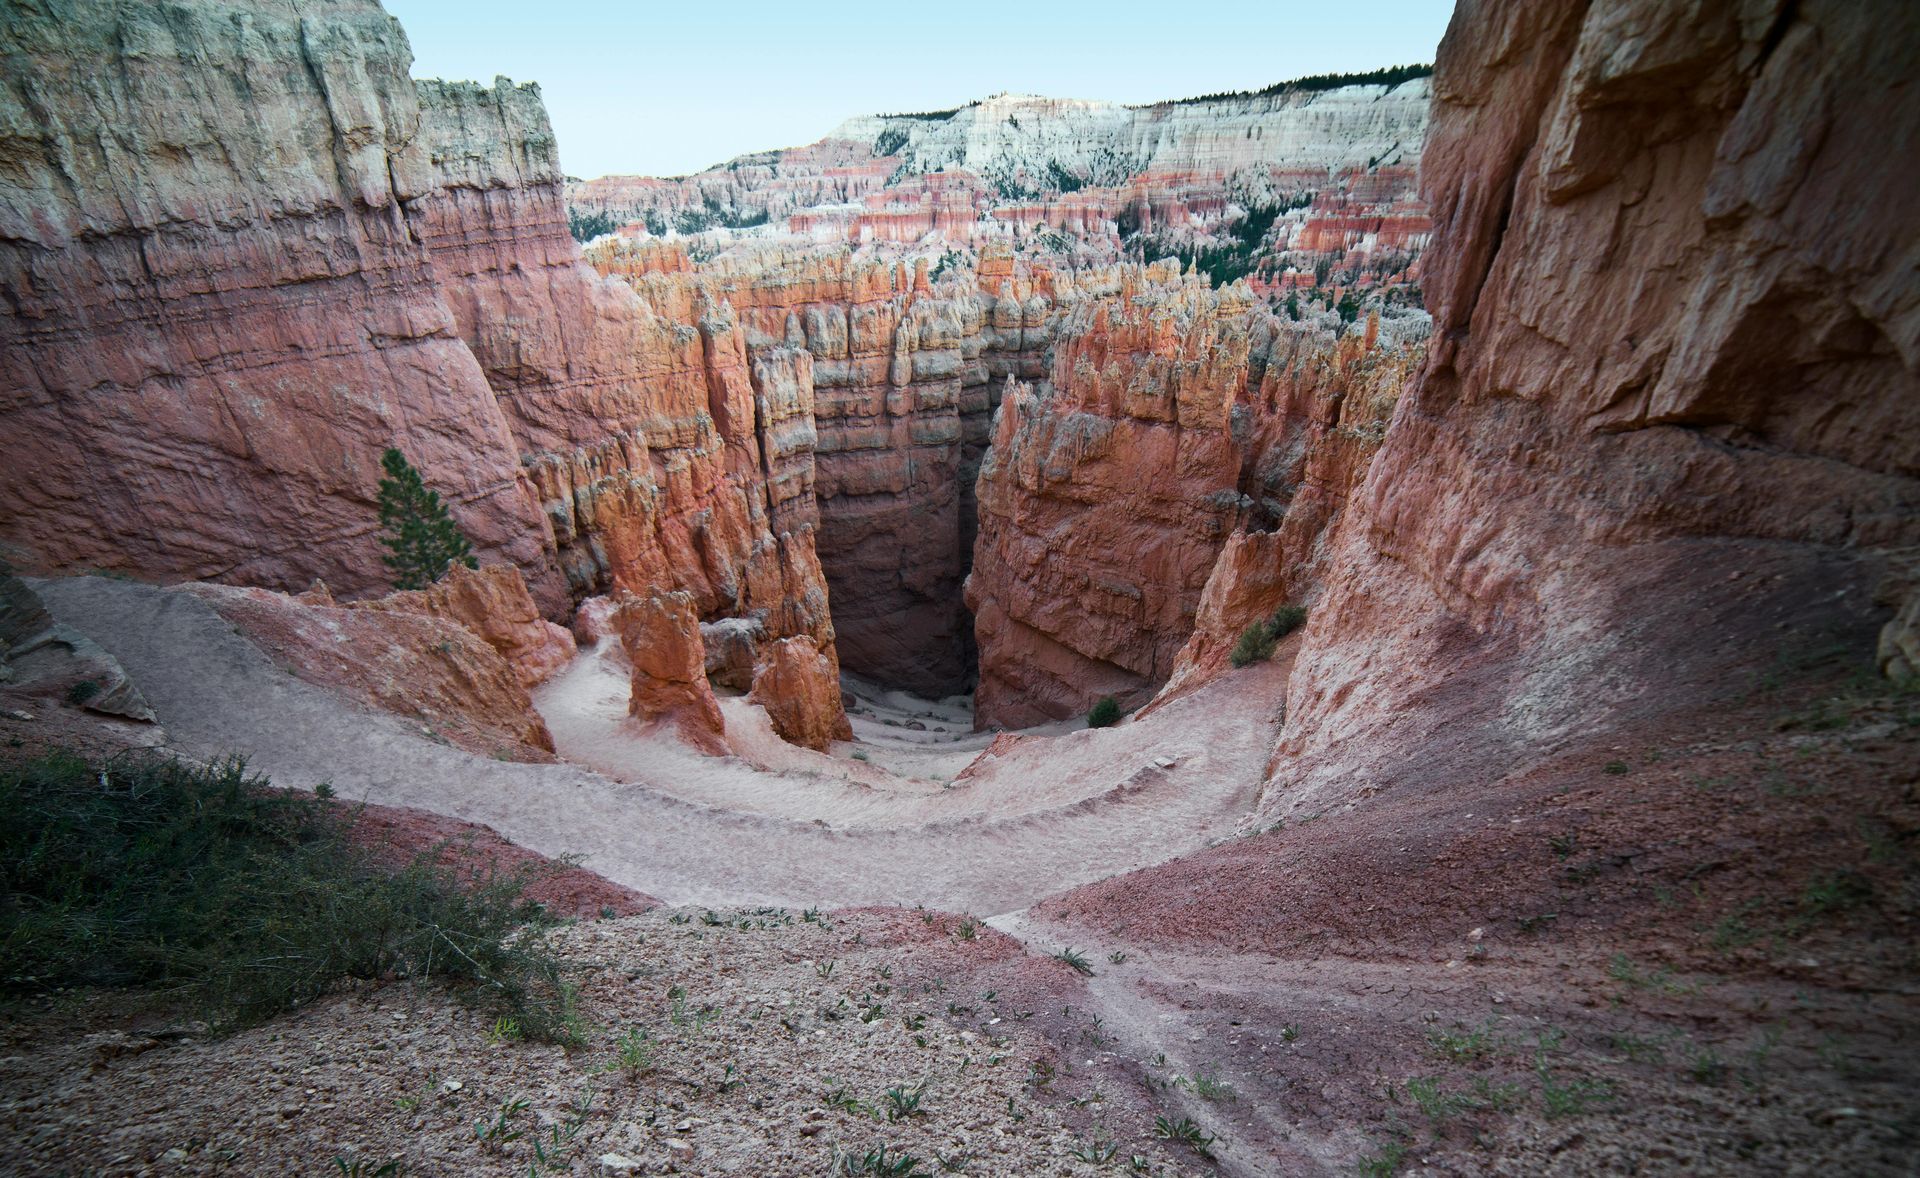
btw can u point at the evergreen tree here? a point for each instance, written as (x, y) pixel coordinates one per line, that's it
(422, 540)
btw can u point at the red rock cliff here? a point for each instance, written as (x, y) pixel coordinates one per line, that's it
(1175, 414)
(1669, 429)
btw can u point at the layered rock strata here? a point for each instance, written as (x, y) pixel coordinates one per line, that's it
(245, 253)
(1177, 418)
(1668, 433)
(427, 664)
(660, 634)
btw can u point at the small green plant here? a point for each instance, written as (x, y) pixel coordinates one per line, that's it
(967, 930)
(1286, 620)
(1097, 1152)
(82, 691)
(825, 968)
(1185, 1132)
(498, 1132)
(1616, 768)
(1258, 641)
(421, 539)
(1289, 1032)
(1564, 845)
(1212, 1088)
(1255, 645)
(861, 755)
(357, 1167)
(1105, 713)
(878, 1162)
(633, 1052)
(1075, 959)
(504, 1030)
(1571, 1098)
(1463, 1045)
(1385, 1161)
(904, 1102)
(1040, 1074)
(1117, 957)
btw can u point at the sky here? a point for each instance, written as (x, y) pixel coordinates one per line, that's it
(666, 89)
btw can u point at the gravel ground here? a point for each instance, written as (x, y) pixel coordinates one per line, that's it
(768, 1042)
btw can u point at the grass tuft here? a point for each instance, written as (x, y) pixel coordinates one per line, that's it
(247, 901)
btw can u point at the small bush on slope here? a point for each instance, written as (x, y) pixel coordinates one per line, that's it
(1104, 714)
(1259, 638)
(246, 900)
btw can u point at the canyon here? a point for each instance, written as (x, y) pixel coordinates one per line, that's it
(1569, 393)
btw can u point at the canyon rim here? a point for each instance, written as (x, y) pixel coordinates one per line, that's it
(1363, 625)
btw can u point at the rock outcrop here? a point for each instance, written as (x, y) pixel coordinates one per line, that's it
(424, 664)
(800, 689)
(1175, 415)
(1669, 429)
(660, 634)
(218, 315)
(244, 253)
(493, 602)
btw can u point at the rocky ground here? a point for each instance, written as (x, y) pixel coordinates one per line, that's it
(763, 1041)
(1682, 949)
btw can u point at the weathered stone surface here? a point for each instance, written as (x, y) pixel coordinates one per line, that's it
(493, 602)
(800, 688)
(218, 315)
(42, 657)
(424, 664)
(661, 636)
(1175, 414)
(732, 648)
(1670, 424)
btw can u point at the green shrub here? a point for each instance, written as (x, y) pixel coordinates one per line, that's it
(1255, 645)
(1258, 640)
(1286, 620)
(1104, 714)
(244, 900)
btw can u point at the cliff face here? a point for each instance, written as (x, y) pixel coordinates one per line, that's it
(1667, 430)
(232, 290)
(1293, 187)
(245, 253)
(1174, 417)
(216, 310)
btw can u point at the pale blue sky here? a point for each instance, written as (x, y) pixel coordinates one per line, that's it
(663, 89)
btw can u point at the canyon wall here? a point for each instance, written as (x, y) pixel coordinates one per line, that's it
(1668, 433)
(1177, 421)
(224, 305)
(1298, 187)
(217, 313)
(244, 252)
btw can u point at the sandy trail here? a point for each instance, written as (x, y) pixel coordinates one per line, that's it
(1047, 815)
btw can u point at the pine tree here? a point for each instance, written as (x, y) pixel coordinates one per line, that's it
(422, 540)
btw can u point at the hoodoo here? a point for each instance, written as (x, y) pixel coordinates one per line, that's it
(1363, 624)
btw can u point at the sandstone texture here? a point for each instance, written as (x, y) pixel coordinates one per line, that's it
(660, 634)
(1667, 430)
(493, 602)
(1177, 417)
(800, 688)
(427, 665)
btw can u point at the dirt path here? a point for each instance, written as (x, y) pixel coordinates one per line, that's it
(1045, 816)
